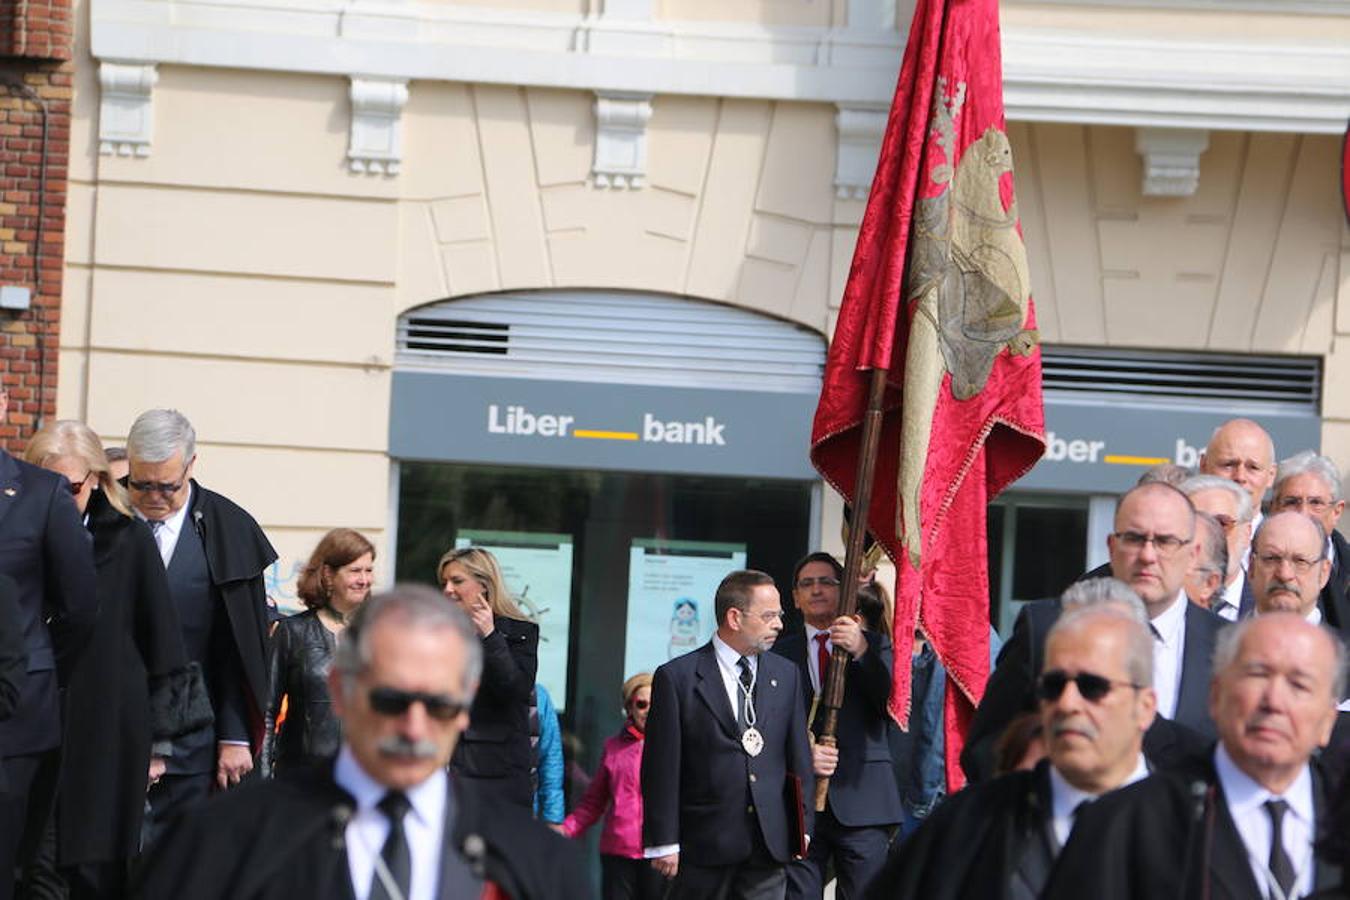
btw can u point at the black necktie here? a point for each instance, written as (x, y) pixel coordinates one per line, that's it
(747, 680)
(395, 853)
(1280, 864)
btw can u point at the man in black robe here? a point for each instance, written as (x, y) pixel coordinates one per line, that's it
(1241, 822)
(1000, 839)
(214, 555)
(385, 820)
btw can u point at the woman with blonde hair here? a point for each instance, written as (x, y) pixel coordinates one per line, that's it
(132, 684)
(495, 749)
(334, 583)
(616, 793)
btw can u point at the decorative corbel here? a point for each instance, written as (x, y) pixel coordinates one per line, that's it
(1171, 160)
(126, 112)
(858, 130)
(621, 121)
(376, 142)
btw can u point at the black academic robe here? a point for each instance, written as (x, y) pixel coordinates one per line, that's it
(132, 684)
(282, 839)
(989, 841)
(1335, 597)
(1168, 836)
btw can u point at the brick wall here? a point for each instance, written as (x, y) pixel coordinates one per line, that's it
(35, 51)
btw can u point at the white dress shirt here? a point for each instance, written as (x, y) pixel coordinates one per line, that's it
(424, 825)
(1065, 799)
(166, 535)
(1246, 803)
(1230, 601)
(813, 653)
(1169, 648)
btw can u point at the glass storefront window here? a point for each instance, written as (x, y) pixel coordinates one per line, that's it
(598, 522)
(1037, 548)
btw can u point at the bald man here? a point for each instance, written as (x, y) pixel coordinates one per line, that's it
(1241, 451)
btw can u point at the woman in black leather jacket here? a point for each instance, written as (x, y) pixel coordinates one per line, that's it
(495, 749)
(334, 583)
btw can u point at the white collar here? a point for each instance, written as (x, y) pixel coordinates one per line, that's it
(1243, 794)
(427, 799)
(1314, 617)
(1065, 798)
(1169, 623)
(727, 656)
(812, 631)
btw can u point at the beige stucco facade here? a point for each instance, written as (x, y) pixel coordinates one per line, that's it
(241, 271)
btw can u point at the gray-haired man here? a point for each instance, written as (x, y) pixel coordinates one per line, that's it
(384, 821)
(214, 554)
(1311, 484)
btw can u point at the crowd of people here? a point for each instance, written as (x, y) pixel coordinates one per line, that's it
(1174, 725)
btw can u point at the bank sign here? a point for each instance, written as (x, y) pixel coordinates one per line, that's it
(1103, 448)
(582, 425)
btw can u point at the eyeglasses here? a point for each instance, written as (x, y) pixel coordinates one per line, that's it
(167, 488)
(1316, 504)
(1091, 687)
(1302, 565)
(77, 486)
(641, 704)
(1165, 544)
(806, 584)
(389, 701)
(771, 615)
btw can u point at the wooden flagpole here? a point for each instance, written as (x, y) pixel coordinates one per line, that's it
(832, 693)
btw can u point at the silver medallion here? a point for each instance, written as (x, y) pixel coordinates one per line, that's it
(752, 741)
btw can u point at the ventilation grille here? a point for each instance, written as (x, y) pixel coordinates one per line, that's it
(1286, 382)
(614, 337)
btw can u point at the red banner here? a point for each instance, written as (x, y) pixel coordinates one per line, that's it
(939, 297)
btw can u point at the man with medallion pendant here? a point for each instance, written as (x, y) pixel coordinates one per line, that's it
(727, 761)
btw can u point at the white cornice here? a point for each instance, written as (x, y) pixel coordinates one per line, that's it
(1064, 75)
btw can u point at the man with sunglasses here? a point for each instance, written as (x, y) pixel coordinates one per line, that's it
(1311, 484)
(385, 821)
(1000, 839)
(214, 555)
(49, 555)
(1228, 503)
(863, 804)
(1240, 821)
(1152, 548)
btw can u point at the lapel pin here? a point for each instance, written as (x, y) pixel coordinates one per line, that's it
(773, 682)
(10, 492)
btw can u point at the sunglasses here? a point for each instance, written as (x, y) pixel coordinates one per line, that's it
(77, 486)
(167, 488)
(1091, 687)
(641, 704)
(389, 701)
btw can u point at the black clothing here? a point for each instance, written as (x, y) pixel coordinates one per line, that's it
(1012, 685)
(13, 655)
(1170, 835)
(131, 686)
(700, 789)
(864, 800)
(622, 878)
(992, 840)
(495, 748)
(49, 556)
(299, 661)
(281, 839)
(1335, 597)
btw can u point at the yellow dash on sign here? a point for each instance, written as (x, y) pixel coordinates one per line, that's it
(1136, 460)
(606, 435)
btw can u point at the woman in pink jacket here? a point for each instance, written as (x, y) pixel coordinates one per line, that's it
(616, 792)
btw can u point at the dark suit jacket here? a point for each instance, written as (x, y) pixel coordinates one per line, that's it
(496, 745)
(1012, 685)
(863, 791)
(13, 654)
(1335, 597)
(1170, 835)
(992, 840)
(281, 840)
(48, 553)
(698, 783)
(237, 555)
